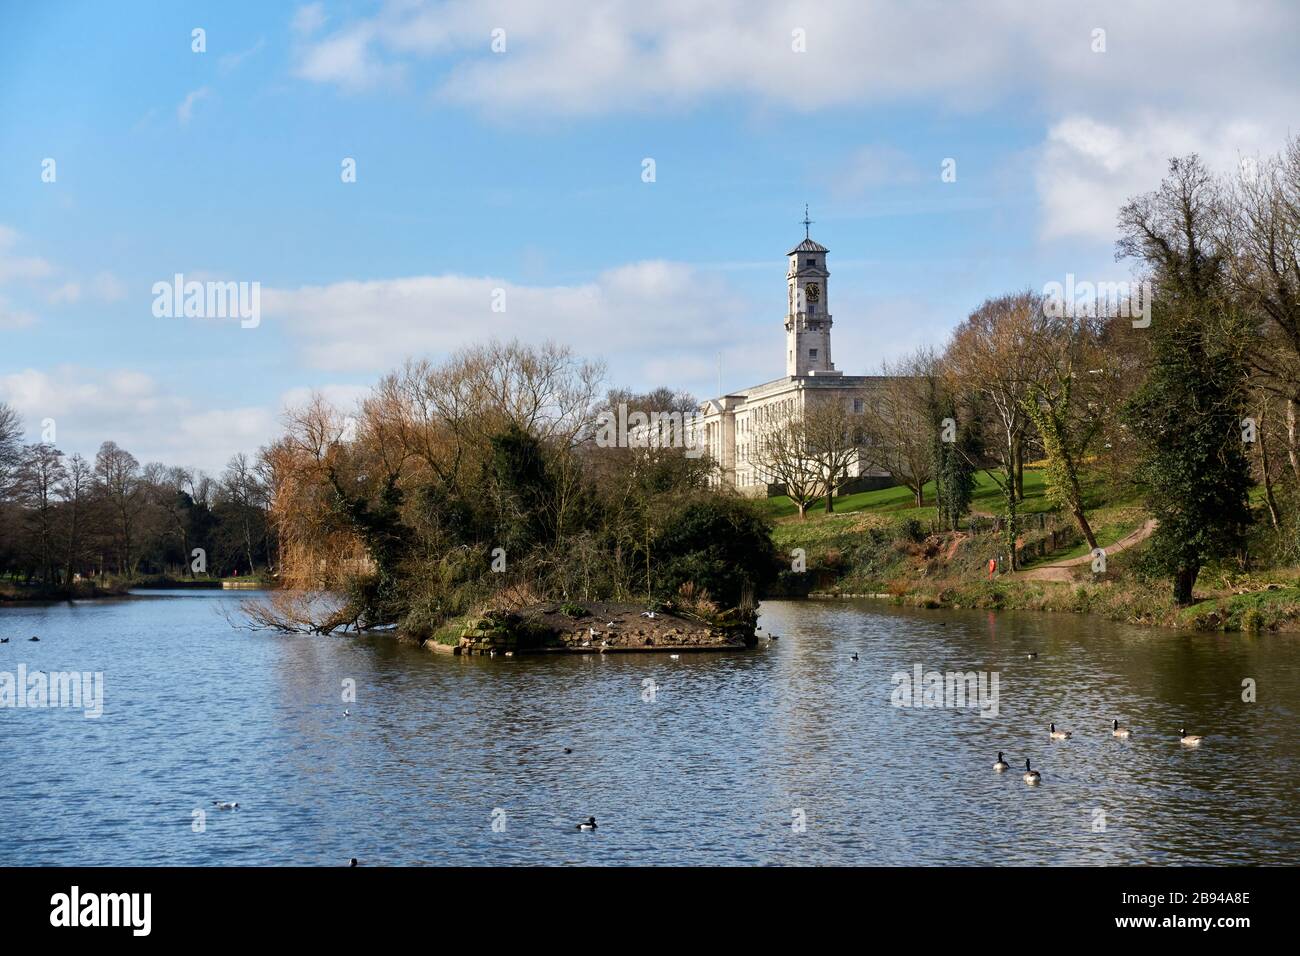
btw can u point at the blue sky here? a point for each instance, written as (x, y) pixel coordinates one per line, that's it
(522, 170)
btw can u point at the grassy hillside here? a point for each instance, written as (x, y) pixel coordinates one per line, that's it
(880, 543)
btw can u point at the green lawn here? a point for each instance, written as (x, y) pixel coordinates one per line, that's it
(899, 502)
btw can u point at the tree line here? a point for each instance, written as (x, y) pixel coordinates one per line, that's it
(64, 519)
(1187, 397)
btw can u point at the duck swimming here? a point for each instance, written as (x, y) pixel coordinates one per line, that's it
(589, 825)
(225, 806)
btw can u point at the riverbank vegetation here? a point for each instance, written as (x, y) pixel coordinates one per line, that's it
(76, 528)
(478, 484)
(1173, 399)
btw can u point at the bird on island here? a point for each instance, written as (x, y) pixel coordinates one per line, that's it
(1117, 731)
(649, 614)
(611, 623)
(586, 643)
(1001, 765)
(1059, 734)
(492, 652)
(353, 862)
(1191, 740)
(220, 805)
(1032, 777)
(589, 825)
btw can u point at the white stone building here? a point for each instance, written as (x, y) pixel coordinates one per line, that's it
(731, 424)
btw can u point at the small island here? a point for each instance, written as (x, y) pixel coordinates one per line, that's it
(594, 628)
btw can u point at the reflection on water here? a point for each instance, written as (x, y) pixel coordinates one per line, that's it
(712, 771)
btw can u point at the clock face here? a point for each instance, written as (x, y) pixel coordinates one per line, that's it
(812, 291)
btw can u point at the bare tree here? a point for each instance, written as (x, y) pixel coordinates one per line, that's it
(11, 438)
(41, 472)
(898, 422)
(835, 437)
(784, 455)
(74, 490)
(118, 475)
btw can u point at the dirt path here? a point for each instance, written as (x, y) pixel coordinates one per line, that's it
(1062, 571)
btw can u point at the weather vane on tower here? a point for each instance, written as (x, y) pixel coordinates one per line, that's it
(806, 221)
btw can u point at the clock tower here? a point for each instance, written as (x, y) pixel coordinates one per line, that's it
(808, 317)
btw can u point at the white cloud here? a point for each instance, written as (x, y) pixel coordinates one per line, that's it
(872, 166)
(632, 316)
(14, 266)
(185, 111)
(566, 57)
(66, 294)
(90, 406)
(1087, 167)
(308, 18)
(231, 61)
(12, 318)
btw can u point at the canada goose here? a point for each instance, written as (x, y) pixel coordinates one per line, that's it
(854, 656)
(1032, 777)
(568, 750)
(1059, 734)
(353, 862)
(225, 806)
(347, 713)
(1190, 740)
(589, 825)
(1001, 765)
(1118, 731)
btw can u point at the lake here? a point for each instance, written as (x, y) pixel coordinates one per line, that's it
(792, 753)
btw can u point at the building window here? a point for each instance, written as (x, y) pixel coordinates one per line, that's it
(812, 353)
(812, 309)
(812, 263)
(857, 406)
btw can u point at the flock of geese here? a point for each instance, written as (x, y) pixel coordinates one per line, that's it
(1034, 778)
